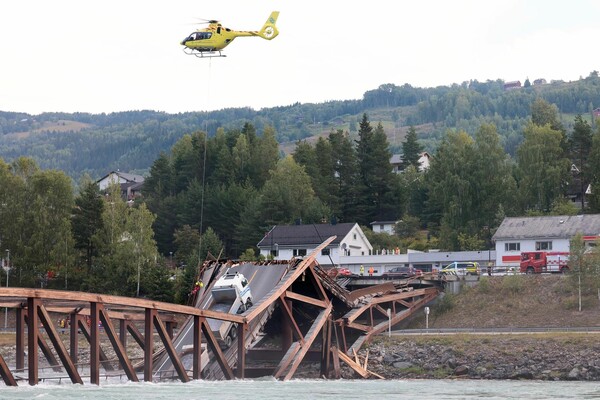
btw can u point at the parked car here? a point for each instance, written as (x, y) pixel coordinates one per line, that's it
(401, 273)
(335, 272)
(462, 268)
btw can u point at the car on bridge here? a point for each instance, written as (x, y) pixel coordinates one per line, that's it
(402, 273)
(339, 272)
(461, 269)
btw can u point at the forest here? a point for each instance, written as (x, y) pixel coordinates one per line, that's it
(95, 144)
(219, 193)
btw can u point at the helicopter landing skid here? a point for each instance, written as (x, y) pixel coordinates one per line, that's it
(203, 54)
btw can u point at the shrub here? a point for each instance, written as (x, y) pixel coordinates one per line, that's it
(484, 285)
(446, 302)
(512, 284)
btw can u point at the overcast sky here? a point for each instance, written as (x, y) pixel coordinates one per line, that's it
(108, 56)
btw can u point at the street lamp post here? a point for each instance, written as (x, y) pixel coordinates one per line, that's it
(7, 269)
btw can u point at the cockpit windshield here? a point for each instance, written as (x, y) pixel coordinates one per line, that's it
(200, 36)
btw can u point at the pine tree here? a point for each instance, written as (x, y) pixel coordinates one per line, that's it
(580, 144)
(87, 220)
(411, 149)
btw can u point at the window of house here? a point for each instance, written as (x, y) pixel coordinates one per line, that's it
(325, 252)
(380, 227)
(512, 246)
(274, 253)
(299, 252)
(354, 236)
(543, 246)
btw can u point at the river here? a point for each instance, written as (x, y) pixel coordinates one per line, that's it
(311, 389)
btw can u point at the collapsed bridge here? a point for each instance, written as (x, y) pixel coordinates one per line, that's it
(298, 314)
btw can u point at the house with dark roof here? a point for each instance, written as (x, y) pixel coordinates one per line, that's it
(131, 184)
(547, 233)
(285, 242)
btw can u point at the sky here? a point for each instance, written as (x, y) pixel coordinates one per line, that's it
(110, 56)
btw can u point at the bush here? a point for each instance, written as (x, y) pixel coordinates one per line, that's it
(446, 302)
(484, 285)
(512, 284)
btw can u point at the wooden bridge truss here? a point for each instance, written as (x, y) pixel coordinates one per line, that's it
(117, 318)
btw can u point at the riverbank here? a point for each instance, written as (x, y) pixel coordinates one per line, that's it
(547, 356)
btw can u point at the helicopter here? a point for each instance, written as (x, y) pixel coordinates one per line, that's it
(209, 42)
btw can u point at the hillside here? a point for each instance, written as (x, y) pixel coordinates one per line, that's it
(515, 302)
(79, 143)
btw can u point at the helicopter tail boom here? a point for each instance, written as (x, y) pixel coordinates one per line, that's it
(269, 30)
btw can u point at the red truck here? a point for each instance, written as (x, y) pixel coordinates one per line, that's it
(535, 262)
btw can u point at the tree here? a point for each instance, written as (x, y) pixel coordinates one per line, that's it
(187, 241)
(411, 148)
(346, 175)
(288, 196)
(493, 186)
(450, 187)
(378, 186)
(87, 220)
(47, 226)
(126, 247)
(580, 145)
(542, 167)
(594, 169)
(544, 113)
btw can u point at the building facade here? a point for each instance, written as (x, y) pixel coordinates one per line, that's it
(547, 233)
(284, 242)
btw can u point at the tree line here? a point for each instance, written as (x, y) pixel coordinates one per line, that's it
(218, 195)
(82, 143)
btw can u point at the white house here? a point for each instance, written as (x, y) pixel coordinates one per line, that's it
(548, 233)
(388, 227)
(397, 162)
(131, 184)
(118, 177)
(285, 242)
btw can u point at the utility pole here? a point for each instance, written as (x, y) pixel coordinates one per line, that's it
(7, 269)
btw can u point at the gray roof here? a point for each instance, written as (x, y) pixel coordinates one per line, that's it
(563, 227)
(302, 235)
(125, 175)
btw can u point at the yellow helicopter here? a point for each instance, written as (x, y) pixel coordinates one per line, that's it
(209, 41)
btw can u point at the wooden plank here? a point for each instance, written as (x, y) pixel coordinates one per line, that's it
(62, 295)
(20, 339)
(241, 350)
(85, 331)
(148, 344)
(7, 376)
(337, 370)
(213, 344)
(118, 346)
(310, 337)
(59, 347)
(94, 344)
(197, 346)
(289, 318)
(32, 340)
(274, 295)
(286, 360)
(305, 299)
(355, 366)
(171, 351)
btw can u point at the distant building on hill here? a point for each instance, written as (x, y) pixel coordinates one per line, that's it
(398, 166)
(284, 242)
(512, 85)
(540, 81)
(131, 184)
